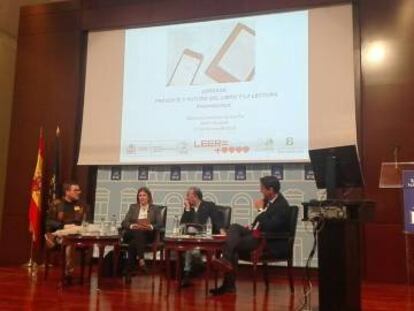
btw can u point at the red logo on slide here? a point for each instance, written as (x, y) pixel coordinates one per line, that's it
(220, 146)
(232, 149)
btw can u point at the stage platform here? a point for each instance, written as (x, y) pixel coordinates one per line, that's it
(22, 290)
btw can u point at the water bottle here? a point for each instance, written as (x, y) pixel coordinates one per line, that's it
(113, 226)
(209, 227)
(84, 227)
(176, 226)
(102, 226)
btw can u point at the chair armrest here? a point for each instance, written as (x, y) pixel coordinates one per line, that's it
(161, 231)
(158, 238)
(158, 235)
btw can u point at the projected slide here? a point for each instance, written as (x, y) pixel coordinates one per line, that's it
(218, 91)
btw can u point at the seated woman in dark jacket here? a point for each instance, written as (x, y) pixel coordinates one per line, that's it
(139, 224)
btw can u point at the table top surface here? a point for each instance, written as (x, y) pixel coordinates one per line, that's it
(218, 238)
(90, 237)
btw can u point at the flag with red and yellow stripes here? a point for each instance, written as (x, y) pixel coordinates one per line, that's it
(36, 192)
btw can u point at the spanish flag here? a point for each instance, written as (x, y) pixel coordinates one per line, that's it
(36, 190)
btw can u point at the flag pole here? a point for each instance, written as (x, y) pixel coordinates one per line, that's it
(31, 264)
(35, 201)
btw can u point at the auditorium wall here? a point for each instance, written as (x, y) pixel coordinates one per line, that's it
(7, 58)
(9, 19)
(49, 91)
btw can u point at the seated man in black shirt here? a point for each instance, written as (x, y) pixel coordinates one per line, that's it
(69, 213)
(198, 211)
(273, 217)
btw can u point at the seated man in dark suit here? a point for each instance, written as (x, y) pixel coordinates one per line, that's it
(139, 224)
(273, 217)
(198, 211)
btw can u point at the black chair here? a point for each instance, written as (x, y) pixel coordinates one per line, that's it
(265, 255)
(157, 244)
(226, 212)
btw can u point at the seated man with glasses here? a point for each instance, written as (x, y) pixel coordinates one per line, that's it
(198, 211)
(69, 213)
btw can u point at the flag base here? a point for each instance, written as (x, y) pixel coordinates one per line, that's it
(31, 264)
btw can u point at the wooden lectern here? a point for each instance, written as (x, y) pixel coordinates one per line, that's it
(339, 226)
(339, 251)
